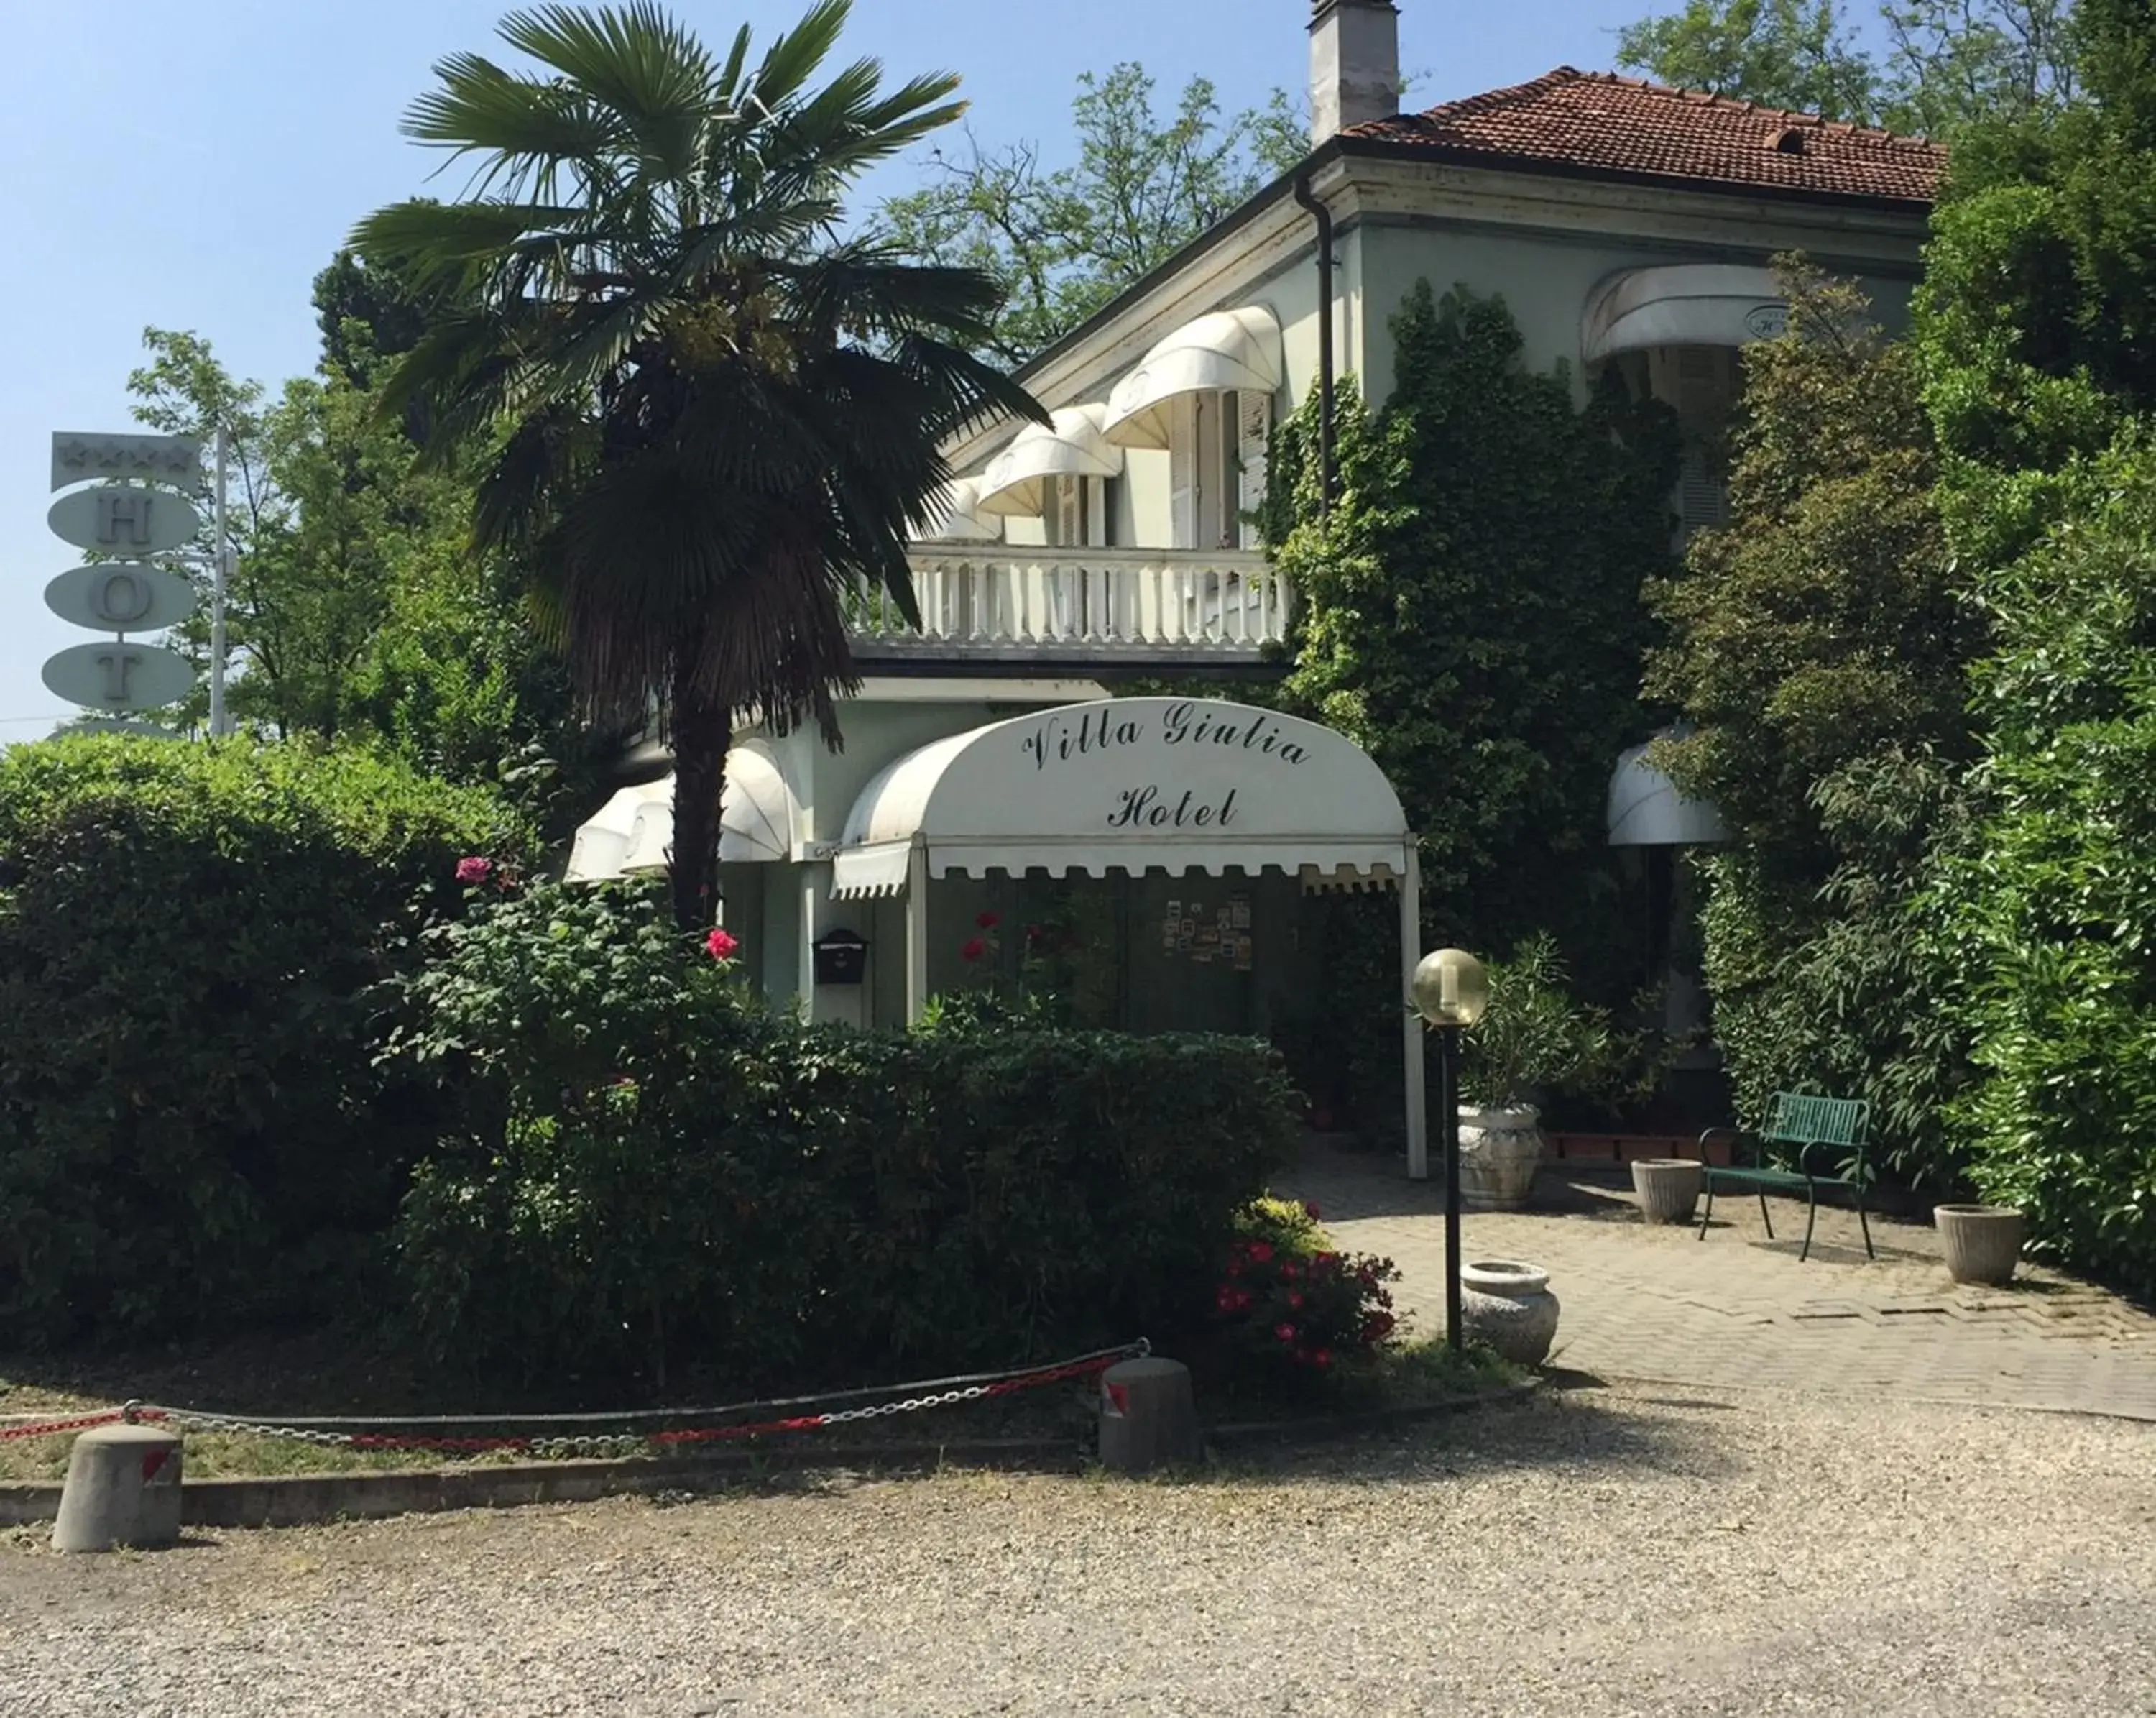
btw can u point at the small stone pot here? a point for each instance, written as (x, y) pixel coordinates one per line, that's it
(1500, 1150)
(1983, 1243)
(1667, 1188)
(1508, 1306)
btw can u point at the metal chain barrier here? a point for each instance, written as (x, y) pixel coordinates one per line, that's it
(361, 1433)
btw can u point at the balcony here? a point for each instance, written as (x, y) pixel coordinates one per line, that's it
(1001, 609)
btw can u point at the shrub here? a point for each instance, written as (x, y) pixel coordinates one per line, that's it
(654, 1165)
(1290, 1306)
(193, 1130)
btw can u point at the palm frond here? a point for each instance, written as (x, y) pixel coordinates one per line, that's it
(793, 57)
(525, 123)
(646, 70)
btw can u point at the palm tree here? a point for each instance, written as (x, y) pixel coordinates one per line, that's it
(704, 418)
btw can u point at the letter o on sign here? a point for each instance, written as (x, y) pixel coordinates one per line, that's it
(121, 596)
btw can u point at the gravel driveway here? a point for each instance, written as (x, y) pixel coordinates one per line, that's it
(1602, 1552)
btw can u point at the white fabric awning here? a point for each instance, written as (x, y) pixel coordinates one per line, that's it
(1130, 784)
(959, 518)
(1646, 810)
(632, 833)
(1689, 304)
(1015, 482)
(1236, 348)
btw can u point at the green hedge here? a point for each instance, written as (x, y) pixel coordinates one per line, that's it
(657, 1168)
(193, 1131)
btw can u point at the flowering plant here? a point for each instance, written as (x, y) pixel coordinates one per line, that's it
(1290, 1302)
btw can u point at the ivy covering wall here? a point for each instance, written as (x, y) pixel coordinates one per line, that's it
(1469, 612)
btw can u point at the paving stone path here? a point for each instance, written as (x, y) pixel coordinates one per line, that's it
(1737, 1310)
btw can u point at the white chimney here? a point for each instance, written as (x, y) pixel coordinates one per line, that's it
(1354, 65)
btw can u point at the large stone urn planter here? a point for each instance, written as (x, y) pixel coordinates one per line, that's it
(1500, 1150)
(1667, 1188)
(1983, 1243)
(1508, 1306)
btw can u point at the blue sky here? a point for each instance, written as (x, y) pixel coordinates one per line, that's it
(195, 174)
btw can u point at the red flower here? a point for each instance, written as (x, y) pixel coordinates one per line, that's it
(988, 921)
(1284, 1332)
(1377, 1327)
(1295, 1300)
(973, 950)
(1310, 1210)
(1324, 1265)
(1261, 1251)
(1291, 1270)
(474, 869)
(720, 945)
(1323, 1357)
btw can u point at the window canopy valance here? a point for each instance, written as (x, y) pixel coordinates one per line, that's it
(960, 518)
(1236, 348)
(1071, 447)
(633, 832)
(1688, 304)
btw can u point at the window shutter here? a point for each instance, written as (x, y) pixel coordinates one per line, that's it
(1254, 424)
(1703, 496)
(1183, 471)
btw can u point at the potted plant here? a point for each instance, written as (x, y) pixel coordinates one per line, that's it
(1533, 1038)
(1981, 1242)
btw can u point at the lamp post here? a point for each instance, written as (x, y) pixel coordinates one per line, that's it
(1450, 991)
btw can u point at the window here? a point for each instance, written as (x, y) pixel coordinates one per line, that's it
(1216, 454)
(1701, 382)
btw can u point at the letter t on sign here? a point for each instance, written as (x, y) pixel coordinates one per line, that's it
(117, 664)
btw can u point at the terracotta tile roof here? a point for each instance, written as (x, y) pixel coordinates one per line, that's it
(1599, 123)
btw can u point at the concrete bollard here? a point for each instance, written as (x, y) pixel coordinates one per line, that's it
(123, 1488)
(1147, 1416)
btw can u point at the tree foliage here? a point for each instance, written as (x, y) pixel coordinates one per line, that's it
(357, 608)
(1949, 64)
(1061, 242)
(704, 422)
(2034, 327)
(1817, 649)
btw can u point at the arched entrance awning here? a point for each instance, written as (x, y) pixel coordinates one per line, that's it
(1135, 784)
(1128, 784)
(632, 833)
(1687, 304)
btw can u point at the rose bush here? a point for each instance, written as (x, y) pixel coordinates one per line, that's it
(1290, 1304)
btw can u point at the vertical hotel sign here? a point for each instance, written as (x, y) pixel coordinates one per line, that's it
(127, 504)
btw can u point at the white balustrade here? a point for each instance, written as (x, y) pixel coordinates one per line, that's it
(1168, 604)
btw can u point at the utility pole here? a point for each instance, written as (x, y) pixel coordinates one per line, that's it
(217, 647)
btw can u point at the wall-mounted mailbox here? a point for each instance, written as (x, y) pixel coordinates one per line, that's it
(842, 957)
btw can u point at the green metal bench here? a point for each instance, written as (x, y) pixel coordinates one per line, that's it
(1828, 1137)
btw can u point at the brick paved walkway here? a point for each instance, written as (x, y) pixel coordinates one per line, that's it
(1737, 1310)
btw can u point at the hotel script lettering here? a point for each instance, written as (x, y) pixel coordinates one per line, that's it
(1142, 803)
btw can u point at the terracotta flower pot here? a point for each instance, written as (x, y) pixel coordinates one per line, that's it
(1983, 1243)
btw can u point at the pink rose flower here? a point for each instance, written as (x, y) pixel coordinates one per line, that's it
(474, 869)
(720, 945)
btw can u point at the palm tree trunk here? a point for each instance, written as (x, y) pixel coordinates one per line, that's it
(703, 733)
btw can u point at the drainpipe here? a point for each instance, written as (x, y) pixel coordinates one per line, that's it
(1327, 467)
